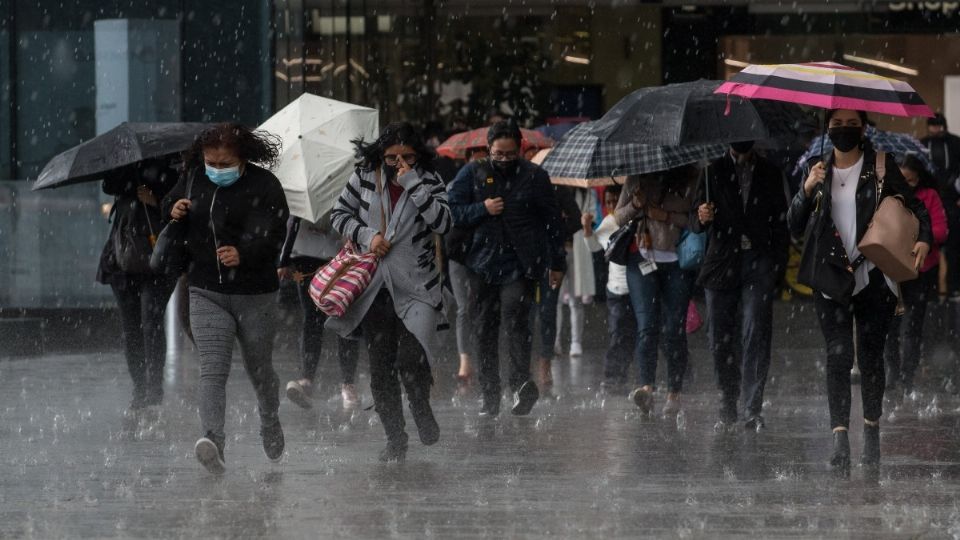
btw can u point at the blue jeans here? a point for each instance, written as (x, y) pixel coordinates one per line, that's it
(745, 376)
(622, 332)
(660, 301)
(547, 311)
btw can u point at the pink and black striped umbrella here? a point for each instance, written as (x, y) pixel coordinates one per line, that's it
(827, 85)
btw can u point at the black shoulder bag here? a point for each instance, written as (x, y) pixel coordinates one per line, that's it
(170, 253)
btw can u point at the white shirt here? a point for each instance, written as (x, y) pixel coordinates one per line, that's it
(843, 210)
(616, 273)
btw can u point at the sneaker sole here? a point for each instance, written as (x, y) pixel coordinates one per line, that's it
(209, 456)
(298, 397)
(643, 401)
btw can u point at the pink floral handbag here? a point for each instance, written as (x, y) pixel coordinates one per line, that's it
(341, 281)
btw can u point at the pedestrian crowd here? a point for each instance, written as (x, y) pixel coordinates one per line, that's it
(492, 243)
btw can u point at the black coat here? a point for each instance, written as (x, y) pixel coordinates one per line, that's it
(250, 215)
(143, 220)
(824, 255)
(763, 221)
(531, 222)
(948, 169)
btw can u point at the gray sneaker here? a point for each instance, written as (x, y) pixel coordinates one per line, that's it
(643, 399)
(209, 455)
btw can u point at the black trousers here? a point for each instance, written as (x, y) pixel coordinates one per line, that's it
(395, 356)
(311, 334)
(622, 338)
(871, 310)
(905, 339)
(142, 300)
(508, 305)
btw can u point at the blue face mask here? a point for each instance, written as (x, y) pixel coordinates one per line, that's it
(223, 177)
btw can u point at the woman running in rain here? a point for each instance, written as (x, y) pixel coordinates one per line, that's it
(396, 190)
(236, 216)
(831, 212)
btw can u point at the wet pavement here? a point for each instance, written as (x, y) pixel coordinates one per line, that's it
(583, 464)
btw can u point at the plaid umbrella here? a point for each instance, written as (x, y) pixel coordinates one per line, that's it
(827, 85)
(457, 145)
(900, 144)
(577, 182)
(581, 154)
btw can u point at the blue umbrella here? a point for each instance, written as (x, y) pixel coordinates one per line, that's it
(899, 144)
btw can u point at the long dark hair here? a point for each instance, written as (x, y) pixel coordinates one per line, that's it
(370, 155)
(249, 145)
(913, 163)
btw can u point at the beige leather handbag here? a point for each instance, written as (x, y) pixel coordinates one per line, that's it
(891, 234)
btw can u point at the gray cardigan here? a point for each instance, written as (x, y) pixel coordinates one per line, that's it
(409, 271)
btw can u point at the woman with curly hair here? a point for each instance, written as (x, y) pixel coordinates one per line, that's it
(236, 216)
(392, 206)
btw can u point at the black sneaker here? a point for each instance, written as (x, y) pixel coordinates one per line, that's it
(209, 455)
(871, 446)
(272, 435)
(395, 452)
(755, 423)
(490, 407)
(427, 426)
(525, 398)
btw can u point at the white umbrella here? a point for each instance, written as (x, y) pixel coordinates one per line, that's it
(317, 157)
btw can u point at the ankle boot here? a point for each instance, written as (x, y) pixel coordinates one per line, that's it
(871, 445)
(841, 450)
(422, 412)
(396, 450)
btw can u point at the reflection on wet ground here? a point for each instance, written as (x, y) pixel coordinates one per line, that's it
(584, 464)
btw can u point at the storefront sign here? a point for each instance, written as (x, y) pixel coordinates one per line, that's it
(947, 8)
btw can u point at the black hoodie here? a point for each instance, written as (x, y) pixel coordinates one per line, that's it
(250, 215)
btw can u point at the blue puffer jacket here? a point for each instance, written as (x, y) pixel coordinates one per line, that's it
(531, 223)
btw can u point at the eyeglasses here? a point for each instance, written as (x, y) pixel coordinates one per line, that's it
(391, 159)
(497, 155)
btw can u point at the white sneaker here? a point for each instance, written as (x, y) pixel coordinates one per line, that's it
(299, 394)
(576, 349)
(209, 455)
(351, 398)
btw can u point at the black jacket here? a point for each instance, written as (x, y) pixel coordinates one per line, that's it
(144, 220)
(250, 215)
(948, 167)
(824, 264)
(531, 222)
(763, 221)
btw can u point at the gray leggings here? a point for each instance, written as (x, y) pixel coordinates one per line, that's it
(217, 319)
(464, 290)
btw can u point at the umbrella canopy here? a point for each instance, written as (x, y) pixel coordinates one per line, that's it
(692, 113)
(123, 145)
(582, 154)
(318, 157)
(457, 145)
(827, 85)
(900, 144)
(577, 182)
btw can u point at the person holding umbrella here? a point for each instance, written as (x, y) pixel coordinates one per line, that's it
(392, 206)
(831, 212)
(141, 293)
(660, 290)
(236, 215)
(742, 207)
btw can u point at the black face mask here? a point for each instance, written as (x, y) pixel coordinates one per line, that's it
(742, 147)
(845, 138)
(507, 166)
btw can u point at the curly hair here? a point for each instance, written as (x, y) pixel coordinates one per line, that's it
(370, 155)
(258, 147)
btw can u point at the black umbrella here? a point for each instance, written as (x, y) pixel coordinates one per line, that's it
(123, 145)
(691, 113)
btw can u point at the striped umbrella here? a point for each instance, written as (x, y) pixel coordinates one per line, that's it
(900, 144)
(827, 85)
(457, 145)
(583, 155)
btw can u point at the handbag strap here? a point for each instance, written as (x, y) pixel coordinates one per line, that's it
(881, 171)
